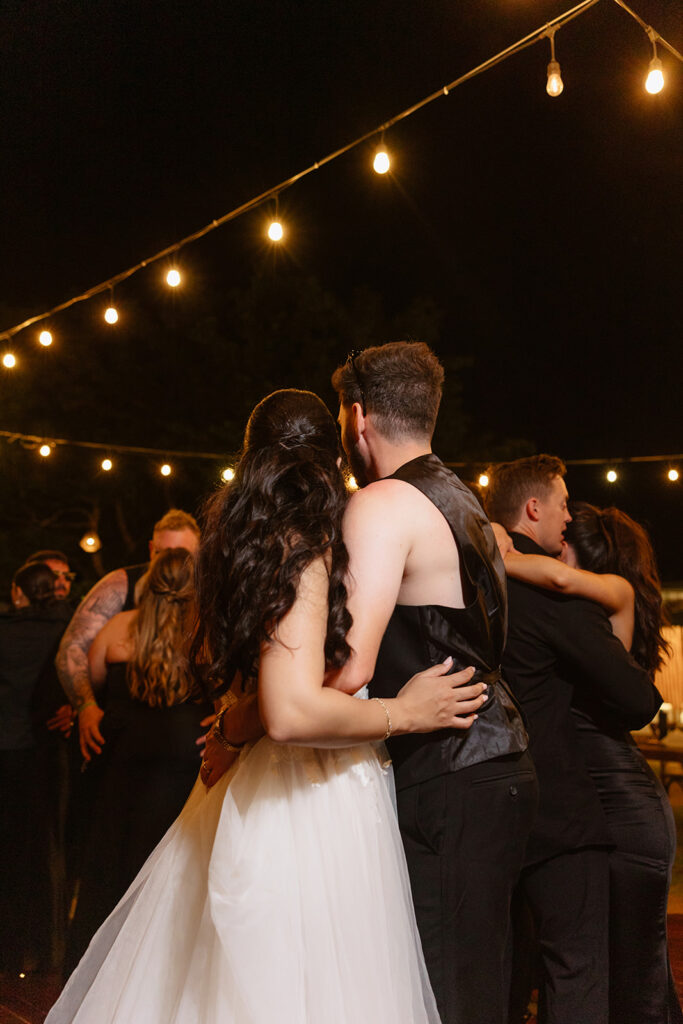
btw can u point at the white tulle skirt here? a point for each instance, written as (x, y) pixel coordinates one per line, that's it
(281, 896)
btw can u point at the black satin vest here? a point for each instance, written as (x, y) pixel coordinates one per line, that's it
(418, 636)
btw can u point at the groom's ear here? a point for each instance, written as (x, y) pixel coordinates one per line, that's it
(357, 421)
(531, 509)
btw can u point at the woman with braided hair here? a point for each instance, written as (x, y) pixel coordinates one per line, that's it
(608, 558)
(151, 724)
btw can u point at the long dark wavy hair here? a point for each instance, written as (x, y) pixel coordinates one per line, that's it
(282, 510)
(608, 540)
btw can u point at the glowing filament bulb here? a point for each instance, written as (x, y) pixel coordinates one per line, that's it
(173, 278)
(483, 480)
(107, 464)
(90, 542)
(45, 338)
(554, 85)
(381, 163)
(228, 474)
(655, 78)
(673, 475)
(45, 450)
(165, 469)
(611, 475)
(352, 483)
(9, 360)
(111, 314)
(275, 231)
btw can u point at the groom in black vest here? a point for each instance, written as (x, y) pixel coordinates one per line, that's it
(426, 581)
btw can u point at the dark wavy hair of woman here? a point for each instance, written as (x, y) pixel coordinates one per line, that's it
(282, 510)
(608, 540)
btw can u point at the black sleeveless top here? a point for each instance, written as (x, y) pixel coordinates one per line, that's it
(418, 636)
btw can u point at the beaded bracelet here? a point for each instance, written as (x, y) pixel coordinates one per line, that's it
(387, 734)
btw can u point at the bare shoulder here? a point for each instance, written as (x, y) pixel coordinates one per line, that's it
(385, 501)
(107, 597)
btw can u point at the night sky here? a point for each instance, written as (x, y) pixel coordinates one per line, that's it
(548, 232)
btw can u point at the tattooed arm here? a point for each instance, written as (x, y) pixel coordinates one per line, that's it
(98, 606)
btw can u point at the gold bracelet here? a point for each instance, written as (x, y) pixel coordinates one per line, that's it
(217, 731)
(387, 734)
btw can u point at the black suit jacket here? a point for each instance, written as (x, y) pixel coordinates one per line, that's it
(559, 647)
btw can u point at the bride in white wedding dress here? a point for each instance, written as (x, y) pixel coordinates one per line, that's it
(280, 894)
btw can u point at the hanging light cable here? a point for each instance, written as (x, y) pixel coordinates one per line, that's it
(554, 85)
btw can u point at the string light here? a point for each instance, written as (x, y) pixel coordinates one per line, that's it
(612, 475)
(554, 88)
(45, 450)
(228, 474)
(45, 338)
(673, 475)
(106, 465)
(381, 163)
(9, 360)
(554, 85)
(483, 480)
(90, 542)
(173, 278)
(352, 483)
(654, 82)
(111, 314)
(165, 470)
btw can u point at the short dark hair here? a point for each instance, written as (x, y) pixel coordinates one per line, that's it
(401, 384)
(511, 484)
(36, 581)
(42, 556)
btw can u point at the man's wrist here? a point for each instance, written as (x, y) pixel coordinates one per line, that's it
(91, 702)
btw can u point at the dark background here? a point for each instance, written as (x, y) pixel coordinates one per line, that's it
(534, 242)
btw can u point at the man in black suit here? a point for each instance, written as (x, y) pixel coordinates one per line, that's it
(557, 645)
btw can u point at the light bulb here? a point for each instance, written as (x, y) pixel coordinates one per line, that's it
(111, 315)
(228, 474)
(483, 480)
(611, 475)
(165, 470)
(173, 278)
(554, 85)
(45, 338)
(45, 450)
(275, 231)
(381, 163)
(107, 464)
(673, 475)
(90, 542)
(352, 483)
(655, 77)
(9, 360)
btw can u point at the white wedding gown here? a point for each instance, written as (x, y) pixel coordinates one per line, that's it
(280, 896)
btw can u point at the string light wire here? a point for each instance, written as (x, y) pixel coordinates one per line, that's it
(35, 440)
(250, 204)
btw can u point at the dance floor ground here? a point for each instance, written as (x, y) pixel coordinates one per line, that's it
(27, 1000)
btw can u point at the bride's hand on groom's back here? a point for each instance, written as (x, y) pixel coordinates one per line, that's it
(432, 699)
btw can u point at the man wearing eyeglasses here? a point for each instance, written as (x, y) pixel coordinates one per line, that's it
(59, 563)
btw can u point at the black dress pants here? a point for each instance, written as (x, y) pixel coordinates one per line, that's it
(568, 896)
(464, 835)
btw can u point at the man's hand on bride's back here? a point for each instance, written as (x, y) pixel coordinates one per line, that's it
(434, 700)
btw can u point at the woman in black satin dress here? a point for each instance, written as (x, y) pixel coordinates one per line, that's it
(610, 544)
